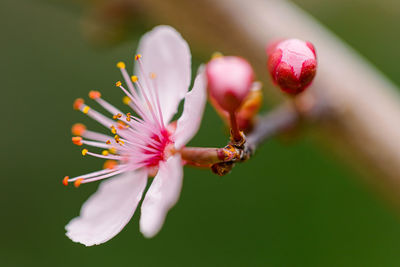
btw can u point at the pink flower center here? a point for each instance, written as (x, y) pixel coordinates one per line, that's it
(160, 144)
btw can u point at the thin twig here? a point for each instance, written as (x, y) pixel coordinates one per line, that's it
(272, 123)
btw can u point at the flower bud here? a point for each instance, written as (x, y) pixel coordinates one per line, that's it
(229, 81)
(292, 64)
(248, 110)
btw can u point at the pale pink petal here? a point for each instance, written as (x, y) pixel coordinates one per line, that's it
(165, 53)
(161, 196)
(108, 210)
(295, 52)
(195, 101)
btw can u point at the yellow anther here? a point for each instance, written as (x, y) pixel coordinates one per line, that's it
(122, 125)
(108, 142)
(153, 75)
(118, 140)
(118, 84)
(121, 65)
(104, 153)
(138, 56)
(113, 150)
(86, 109)
(113, 130)
(119, 115)
(126, 100)
(84, 152)
(134, 78)
(128, 116)
(216, 55)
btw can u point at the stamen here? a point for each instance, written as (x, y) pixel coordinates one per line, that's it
(118, 116)
(113, 130)
(118, 140)
(93, 174)
(122, 125)
(144, 132)
(107, 106)
(78, 129)
(134, 78)
(104, 176)
(138, 109)
(155, 87)
(110, 164)
(104, 157)
(137, 104)
(121, 65)
(78, 182)
(94, 94)
(95, 136)
(148, 102)
(97, 116)
(154, 102)
(77, 140)
(96, 144)
(140, 129)
(78, 103)
(126, 100)
(144, 146)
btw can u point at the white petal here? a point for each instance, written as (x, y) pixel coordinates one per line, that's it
(108, 210)
(161, 197)
(165, 53)
(195, 101)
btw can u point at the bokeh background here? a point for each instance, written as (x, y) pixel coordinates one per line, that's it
(294, 204)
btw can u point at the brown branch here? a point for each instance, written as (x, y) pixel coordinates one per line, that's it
(272, 123)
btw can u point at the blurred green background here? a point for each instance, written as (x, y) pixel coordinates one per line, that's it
(293, 204)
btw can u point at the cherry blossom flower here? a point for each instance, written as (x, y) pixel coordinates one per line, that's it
(145, 142)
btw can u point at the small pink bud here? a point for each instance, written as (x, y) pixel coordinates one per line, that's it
(229, 81)
(292, 64)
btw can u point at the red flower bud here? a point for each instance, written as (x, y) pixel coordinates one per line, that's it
(229, 81)
(247, 112)
(292, 64)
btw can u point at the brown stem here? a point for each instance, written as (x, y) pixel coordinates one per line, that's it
(202, 155)
(272, 123)
(237, 137)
